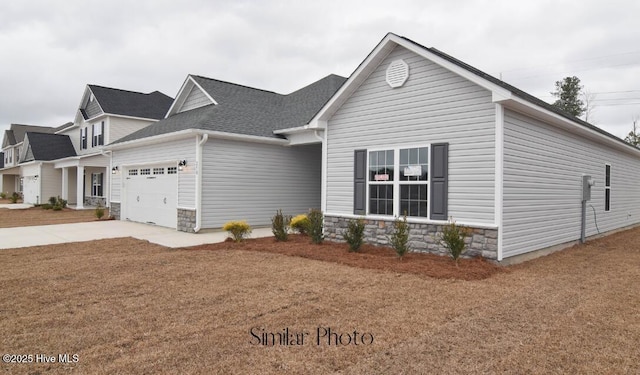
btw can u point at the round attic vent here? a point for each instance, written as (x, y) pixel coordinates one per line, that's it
(397, 73)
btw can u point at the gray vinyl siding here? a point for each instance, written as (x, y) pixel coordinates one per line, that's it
(51, 184)
(434, 106)
(118, 127)
(166, 152)
(93, 109)
(543, 168)
(250, 181)
(195, 99)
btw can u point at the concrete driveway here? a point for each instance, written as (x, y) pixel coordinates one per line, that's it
(63, 233)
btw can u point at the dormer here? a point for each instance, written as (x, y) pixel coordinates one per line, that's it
(190, 96)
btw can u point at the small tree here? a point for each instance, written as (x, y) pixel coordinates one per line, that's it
(239, 230)
(452, 238)
(568, 92)
(354, 234)
(315, 226)
(280, 226)
(633, 137)
(14, 197)
(399, 239)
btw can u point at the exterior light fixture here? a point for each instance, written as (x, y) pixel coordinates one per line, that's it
(182, 164)
(114, 170)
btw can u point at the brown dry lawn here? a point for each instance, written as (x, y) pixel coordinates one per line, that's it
(38, 216)
(128, 306)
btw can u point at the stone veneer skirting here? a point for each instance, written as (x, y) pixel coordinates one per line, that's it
(186, 220)
(94, 201)
(114, 210)
(482, 242)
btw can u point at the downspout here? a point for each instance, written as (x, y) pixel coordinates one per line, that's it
(204, 139)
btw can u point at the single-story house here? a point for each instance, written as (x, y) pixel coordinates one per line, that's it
(216, 157)
(416, 131)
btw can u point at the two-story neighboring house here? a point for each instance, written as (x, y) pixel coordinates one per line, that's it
(104, 116)
(12, 144)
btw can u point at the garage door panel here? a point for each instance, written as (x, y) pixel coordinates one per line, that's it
(152, 198)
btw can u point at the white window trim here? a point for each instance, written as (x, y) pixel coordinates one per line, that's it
(396, 180)
(94, 185)
(607, 188)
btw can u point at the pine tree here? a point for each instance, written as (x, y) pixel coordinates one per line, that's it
(568, 91)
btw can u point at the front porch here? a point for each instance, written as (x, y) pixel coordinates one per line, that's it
(85, 181)
(10, 180)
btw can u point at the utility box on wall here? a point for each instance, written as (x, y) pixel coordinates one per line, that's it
(587, 183)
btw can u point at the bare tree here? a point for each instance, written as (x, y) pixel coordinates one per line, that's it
(589, 99)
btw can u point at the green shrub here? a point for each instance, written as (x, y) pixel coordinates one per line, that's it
(14, 197)
(354, 234)
(3, 195)
(399, 240)
(315, 225)
(452, 238)
(239, 230)
(300, 223)
(57, 207)
(280, 226)
(53, 200)
(62, 202)
(99, 212)
(46, 206)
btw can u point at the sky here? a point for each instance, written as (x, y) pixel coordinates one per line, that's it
(50, 50)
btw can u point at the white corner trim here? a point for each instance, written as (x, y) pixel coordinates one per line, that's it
(499, 174)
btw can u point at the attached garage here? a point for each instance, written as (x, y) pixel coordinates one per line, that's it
(150, 195)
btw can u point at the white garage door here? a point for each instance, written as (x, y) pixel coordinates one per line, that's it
(151, 195)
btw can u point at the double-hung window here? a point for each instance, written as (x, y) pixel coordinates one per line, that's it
(414, 181)
(98, 134)
(96, 184)
(607, 187)
(83, 138)
(381, 181)
(398, 182)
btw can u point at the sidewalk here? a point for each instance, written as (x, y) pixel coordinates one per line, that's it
(77, 232)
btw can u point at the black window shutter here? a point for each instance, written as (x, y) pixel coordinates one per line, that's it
(439, 180)
(360, 182)
(100, 177)
(93, 135)
(102, 134)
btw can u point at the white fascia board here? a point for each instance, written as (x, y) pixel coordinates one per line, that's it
(68, 127)
(530, 109)
(179, 95)
(354, 81)
(74, 161)
(191, 132)
(121, 116)
(297, 129)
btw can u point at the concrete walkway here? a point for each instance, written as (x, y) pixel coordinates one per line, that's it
(16, 206)
(64, 233)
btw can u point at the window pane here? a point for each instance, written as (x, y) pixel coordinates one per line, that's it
(373, 191)
(607, 199)
(607, 175)
(414, 192)
(404, 156)
(424, 155)
(413, 156)
(390, 157)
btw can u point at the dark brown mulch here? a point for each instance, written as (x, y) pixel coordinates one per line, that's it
(369, 257)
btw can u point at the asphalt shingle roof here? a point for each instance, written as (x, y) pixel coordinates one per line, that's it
(153, 105)
(16, 132)
(246, 110)
(46, 146)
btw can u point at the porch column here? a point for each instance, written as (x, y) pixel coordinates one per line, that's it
(65, 183)
(106, 189)
(80, 188)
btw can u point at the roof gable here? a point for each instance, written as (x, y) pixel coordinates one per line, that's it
(44, 146)
(99, 100)
(16, 132)
(502, 92)
(190, 96)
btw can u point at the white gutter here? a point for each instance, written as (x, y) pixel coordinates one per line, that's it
(204, 139)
